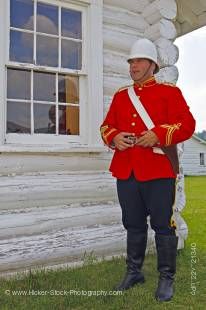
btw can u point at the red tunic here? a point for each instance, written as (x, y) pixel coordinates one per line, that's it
(173, 121)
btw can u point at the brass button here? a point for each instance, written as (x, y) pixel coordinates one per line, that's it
(133, 124)
(134, 115)
(140, 88)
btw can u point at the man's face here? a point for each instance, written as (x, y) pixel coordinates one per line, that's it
(139, 67)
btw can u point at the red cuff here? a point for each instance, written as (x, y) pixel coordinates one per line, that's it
(165, 133)
(108, 139)
(161, 134)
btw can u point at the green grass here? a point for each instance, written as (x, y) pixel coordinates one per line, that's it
(195, 211)
(105, 275)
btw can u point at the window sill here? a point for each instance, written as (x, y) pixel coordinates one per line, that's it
(52, 149)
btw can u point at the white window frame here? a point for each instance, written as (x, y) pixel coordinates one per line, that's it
(91, 82)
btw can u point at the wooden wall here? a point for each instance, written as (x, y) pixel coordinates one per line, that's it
(124, 22)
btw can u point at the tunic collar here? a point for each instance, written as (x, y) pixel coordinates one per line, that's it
(147, 83)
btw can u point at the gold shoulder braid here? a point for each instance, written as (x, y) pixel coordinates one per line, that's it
(123, 88)
(168, 84)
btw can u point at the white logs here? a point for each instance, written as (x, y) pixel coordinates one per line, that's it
(121, 29)
(123, 26)
(160, 9)
(122, 18)
(115, 40)
(168, 52)
(115, 63)
(164, 28)
(136, 6)
(169, 74)
(112, 82)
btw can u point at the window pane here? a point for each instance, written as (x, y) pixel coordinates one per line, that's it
(71, 24)
(18, 84)
(47, 18)
(47, 51)
(71, 54)
(21, 14)
(68, 120)
(44, 118)
(202, 159)
(68, 89)
(21, 46)
(18, 117)
(44, 86)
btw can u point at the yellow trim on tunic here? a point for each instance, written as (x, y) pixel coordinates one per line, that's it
(123, 87)
(146, 83)
(103, 129)
(168, 84)
(172, 220)
(109, 133)
(170, 130)
(105, 134)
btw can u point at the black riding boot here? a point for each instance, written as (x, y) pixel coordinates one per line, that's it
(136, 246)
(166, 264)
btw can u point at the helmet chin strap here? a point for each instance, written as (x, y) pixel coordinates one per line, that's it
(145, 74)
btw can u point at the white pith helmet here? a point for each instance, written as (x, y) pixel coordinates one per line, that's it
(144, 48)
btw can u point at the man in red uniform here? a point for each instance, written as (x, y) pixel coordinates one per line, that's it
(145, 177)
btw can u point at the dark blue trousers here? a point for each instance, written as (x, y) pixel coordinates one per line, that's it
(140, 199)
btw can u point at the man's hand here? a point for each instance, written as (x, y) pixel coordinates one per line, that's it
(147, 139)
(122, 140)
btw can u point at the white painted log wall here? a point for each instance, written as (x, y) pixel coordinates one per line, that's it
(23, 163)
(50, 188)
(160, 9)
(169, 74)
(62, 234)
(168, 52)
(124, 18)
(163, 28)
(136, 6)
(126, 21)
